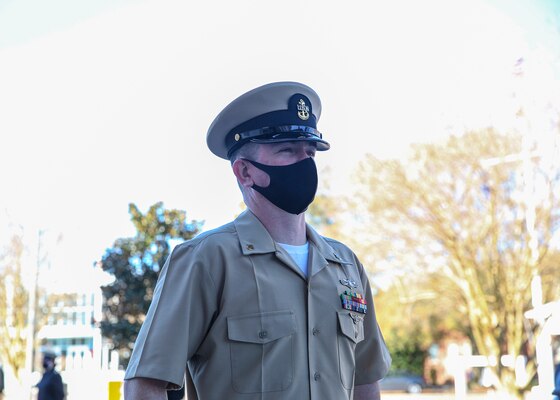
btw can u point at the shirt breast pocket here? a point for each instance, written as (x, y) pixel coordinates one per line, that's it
(261, 351)
(351, 333)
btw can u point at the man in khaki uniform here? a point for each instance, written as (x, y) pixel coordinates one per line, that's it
(263, 307)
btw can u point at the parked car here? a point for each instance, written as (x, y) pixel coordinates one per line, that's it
(402, 381)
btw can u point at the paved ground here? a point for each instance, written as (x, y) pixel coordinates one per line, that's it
(437, 396)
(402, 396)
(448, 396)
(405, 396)
(393, 396)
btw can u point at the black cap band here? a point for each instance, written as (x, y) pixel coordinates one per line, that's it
(271, 134)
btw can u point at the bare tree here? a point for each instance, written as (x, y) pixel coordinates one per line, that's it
(443, 214)
(13, 307)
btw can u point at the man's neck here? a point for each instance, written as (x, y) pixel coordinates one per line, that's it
(283, 227)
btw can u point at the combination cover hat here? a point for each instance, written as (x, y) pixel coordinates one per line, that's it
(276, 112)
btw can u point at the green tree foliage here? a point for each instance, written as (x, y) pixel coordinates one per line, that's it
(407, 352)
(412, 318)
(14, 300)
(446, 217)
(135, 262)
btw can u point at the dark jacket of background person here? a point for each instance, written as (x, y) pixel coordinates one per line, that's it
(50, 386)
(1, 379)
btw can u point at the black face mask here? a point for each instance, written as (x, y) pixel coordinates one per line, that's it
(292, 187)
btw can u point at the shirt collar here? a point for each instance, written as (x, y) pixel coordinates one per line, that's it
(253, 236)
(255, 239)
(324, 248)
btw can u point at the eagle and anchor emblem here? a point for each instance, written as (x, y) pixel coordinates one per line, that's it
(303, 110)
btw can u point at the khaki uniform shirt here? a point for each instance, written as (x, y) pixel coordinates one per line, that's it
(233, 307)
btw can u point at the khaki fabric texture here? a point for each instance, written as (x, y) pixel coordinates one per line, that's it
(233, 310)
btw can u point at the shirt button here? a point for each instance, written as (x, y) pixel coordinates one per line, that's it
(317, 376)
(316, 331)
(263, 334)
(250, 247)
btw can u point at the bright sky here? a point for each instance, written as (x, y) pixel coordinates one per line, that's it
(106, 102)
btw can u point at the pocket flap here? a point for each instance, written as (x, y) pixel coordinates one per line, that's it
(351, 325)
(261, 327)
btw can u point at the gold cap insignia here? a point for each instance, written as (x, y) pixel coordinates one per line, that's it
(303, 110)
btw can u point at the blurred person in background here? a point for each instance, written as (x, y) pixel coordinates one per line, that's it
(1, 381)
(50, 386)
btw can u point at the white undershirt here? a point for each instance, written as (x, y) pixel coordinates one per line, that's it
(299, 254)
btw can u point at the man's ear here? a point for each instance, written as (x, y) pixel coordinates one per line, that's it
(242, 173)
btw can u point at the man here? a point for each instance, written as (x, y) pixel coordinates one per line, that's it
(263, 307)
(50, 386)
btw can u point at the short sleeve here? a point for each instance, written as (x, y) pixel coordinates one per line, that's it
(179, 316)
(372, 356)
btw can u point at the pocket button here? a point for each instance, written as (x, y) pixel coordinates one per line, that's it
(263, 334)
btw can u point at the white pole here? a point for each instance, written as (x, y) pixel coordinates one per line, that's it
(32, 305)
(97, 316)
(545, 366)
